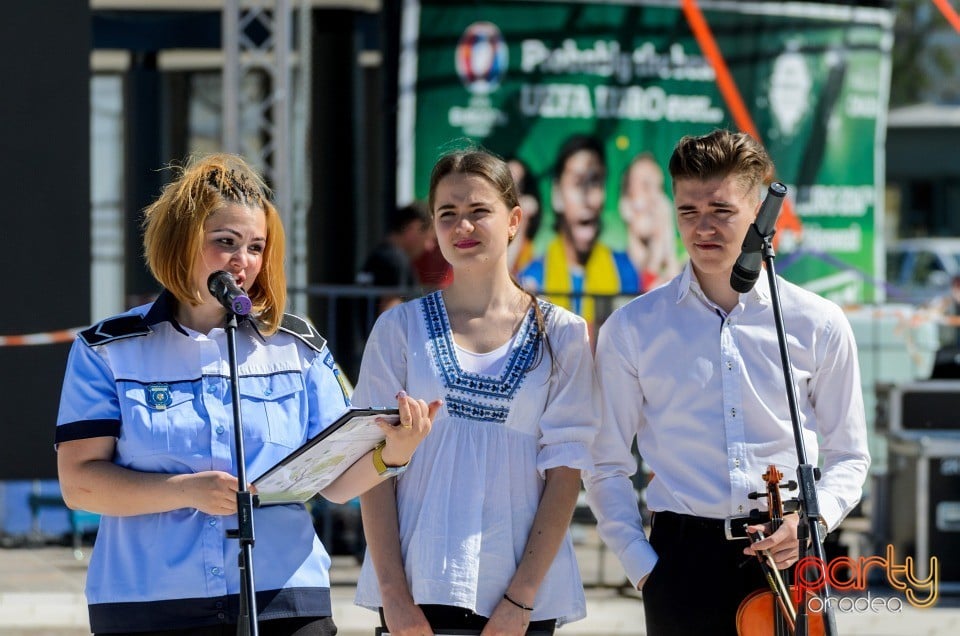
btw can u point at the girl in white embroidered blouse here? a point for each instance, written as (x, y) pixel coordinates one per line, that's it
(474, 535)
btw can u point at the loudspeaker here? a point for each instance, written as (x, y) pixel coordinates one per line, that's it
(946, 364)
(930, 406)
(924, 503)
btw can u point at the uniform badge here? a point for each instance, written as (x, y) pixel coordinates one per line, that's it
(158, 396)
(343, 386)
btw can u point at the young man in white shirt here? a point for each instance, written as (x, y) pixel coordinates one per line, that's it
(692, 370)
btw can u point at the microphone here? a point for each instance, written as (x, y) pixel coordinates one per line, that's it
(746, 270)
(226, 291)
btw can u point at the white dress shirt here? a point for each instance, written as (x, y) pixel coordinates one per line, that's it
(467, 501)
(704, 394)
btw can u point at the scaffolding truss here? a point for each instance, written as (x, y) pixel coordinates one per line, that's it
(258, 39)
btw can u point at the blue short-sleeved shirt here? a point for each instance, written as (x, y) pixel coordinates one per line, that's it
(165, 395)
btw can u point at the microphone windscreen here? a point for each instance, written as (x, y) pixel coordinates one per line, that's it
(228, 293)
(742, 280)
(242, 305)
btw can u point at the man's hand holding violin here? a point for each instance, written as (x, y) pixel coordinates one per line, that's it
(782, 545)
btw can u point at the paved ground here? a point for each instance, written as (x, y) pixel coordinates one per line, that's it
(41, 594)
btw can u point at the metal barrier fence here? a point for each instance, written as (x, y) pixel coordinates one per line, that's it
(897, 343)
(344, 314)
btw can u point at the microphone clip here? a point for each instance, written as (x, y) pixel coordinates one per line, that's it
(754, 241)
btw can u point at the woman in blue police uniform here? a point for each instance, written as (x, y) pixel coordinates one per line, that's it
(145, 429)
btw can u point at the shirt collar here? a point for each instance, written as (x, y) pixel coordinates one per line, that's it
(683, 281)
(761, 289)
(687, 283)
(164, 309)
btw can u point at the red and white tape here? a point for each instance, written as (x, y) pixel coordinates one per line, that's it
(48, 337)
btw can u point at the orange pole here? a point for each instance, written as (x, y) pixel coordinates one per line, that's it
(731, 94)
(728, 88)
(949, 13)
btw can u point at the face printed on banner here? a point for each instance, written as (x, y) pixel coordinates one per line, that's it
(579, 196)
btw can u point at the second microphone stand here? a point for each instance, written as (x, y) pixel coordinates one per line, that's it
(806, 474)
(247, 618)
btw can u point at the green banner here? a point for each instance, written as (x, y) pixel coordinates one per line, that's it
(520, 78)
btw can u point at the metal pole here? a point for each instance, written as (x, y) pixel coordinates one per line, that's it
(230, 24)
(282, 177)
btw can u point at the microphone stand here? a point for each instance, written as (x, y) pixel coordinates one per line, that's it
(247, 616)
(806, 474)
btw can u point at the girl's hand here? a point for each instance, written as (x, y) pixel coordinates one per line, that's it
(416, 420)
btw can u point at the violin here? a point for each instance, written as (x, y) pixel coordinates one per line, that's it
(773, 610)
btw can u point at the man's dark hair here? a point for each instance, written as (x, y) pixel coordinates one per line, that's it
(719, 154)
(404, 216)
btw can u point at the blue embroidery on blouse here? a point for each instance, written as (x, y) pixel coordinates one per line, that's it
(475, 411)
(476, 396)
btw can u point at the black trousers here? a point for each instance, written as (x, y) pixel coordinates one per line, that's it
(447, 617)
(305, 626)
(700, 578)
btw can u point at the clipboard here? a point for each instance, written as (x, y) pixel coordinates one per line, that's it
(313, 466)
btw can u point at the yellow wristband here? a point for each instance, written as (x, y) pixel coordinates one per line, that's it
(382, 469)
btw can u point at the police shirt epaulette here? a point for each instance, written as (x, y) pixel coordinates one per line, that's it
(297, 326)
(115, 329)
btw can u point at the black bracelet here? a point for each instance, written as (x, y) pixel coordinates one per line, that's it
(520, 605)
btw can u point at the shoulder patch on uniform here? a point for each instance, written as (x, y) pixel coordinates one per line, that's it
(115, 329)
(297, 326)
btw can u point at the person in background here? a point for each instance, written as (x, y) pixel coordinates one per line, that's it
(520, 251)
(433, 270)
(648, 215)
(947, 310)
(390, 263)
(145, 431)
(691, 370)
(474, 535)
(575, 265)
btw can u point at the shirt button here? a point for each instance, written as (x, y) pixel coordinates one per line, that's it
(219, 430)
(740, 508)
(729, 365)
(211, 389)
(733, 412)
(220, 615)
(215, 571)
(267, 391)
(736, 463)
(212, 522)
